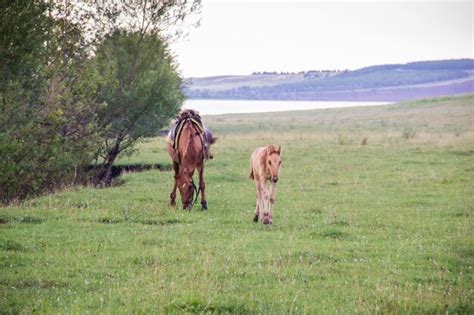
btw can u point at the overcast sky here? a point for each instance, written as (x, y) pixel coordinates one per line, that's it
(246, 36)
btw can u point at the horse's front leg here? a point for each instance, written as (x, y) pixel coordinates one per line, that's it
(173, 192)
(272, 200)
(264, 214)
(257, 207)
(202, 186)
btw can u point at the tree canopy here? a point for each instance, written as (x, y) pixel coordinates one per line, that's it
(80, 80)
(140, 88)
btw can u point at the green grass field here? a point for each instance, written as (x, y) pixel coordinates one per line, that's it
(381, 227)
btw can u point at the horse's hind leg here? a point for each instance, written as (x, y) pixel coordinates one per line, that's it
(202, 186)
(173, 192)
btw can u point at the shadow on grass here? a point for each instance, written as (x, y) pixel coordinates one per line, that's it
(5, 219)
(396, 307)
(35, 283)
(137, 221)
(118, 170)
(12, 246)
(463, 153)
(198, 306)
(113, 180)
(332, 234)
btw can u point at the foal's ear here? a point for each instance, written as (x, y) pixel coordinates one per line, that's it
(280, 150)
(269, 149)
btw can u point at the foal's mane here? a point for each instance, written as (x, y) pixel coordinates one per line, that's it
(270, 149)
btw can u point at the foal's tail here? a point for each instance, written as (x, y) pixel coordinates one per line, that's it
(251, 175)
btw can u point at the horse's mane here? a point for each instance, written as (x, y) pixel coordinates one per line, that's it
(189, 113)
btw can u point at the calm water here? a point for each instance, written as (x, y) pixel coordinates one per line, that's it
(217, 107)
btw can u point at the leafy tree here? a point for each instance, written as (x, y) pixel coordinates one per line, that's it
(23, 28)
(61, 102)
(98, 18)
(47, 113)
(141, 89)
(138, 82)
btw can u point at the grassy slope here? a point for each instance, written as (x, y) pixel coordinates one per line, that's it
(382, 227)
(392, 82)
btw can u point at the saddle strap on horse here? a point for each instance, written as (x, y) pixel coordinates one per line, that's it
(179, 129)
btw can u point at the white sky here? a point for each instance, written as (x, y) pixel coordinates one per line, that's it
(243, 37)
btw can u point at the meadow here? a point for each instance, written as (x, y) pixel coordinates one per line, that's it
(374, 214)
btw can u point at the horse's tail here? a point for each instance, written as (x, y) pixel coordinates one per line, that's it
(251, 176)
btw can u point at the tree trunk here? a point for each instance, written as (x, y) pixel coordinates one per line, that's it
(104, 175)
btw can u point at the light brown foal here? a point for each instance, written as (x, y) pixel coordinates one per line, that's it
(265, 165)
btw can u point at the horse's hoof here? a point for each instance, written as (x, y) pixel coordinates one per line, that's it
(173, 203)
(204, 205)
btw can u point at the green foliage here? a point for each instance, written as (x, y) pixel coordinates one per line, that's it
(59, 107)
(47, 118)
(139, 84)
(139, 87)
(23, 30)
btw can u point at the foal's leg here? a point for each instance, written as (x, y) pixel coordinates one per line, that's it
(257, 207)
(173, 192)
(202, 186)
(272, 200)
(264, 215)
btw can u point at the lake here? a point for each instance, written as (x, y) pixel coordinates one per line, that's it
(218, 107)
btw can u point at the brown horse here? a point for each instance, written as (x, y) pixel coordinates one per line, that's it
(187, 157)
(265, 164)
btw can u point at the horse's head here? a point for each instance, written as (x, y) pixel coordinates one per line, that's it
(273, 161)
(186, 189)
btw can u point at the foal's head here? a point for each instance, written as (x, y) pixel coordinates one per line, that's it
(273, 161)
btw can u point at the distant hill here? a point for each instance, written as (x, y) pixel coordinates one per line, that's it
(393, 82)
